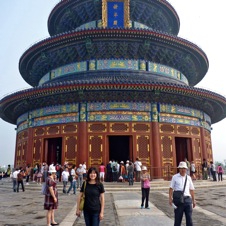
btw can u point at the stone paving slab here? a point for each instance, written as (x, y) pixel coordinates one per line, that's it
(202, 216)
(130, 214)
(121, 207)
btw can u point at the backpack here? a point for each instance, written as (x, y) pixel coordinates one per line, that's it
(70, 178)
(109, 167)
(20, 176)
(114, 168)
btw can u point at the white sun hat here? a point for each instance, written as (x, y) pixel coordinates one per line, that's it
(182, 165)
(52, 169)
(144, 167)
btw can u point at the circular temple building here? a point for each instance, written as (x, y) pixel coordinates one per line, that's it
(113, 81)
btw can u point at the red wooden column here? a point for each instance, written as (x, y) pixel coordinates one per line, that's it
(203, 144)
(30, 146)
(82, 152)
(156, 151)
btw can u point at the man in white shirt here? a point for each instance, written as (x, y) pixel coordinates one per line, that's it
(177, 184)
(65, 175)
(15, 179)
(137, 167)
(80, 171)
(84, 170)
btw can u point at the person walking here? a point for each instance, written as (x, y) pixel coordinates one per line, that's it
(145, 187)
(20, 179)
(137, 167)
(181, 181)
(204, 170)
(220, 172)
(73, 181)
(8, 172)
(130, 170)
(84, 170)
(28, 173)
(122, 171)
(114, 170)
(58, 169)
(193, 170)
(127, 164)
(65, 175)
(80, 171)
(35, 172)
(15, 173)
(102, 172)
(213, 170)
(44, 170)
(94, 199)
(51, 196)
(39, 174)
(109, 172)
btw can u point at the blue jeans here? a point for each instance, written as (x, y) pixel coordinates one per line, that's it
(130, 178)
(80, 180)
(14, 184)
(91, 219)
(72, 185)
(64, 186)
(185, 208)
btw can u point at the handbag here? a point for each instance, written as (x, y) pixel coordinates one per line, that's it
(178, 196)
(44, 189)
(82, 199)
(146, 184)
(39, 175)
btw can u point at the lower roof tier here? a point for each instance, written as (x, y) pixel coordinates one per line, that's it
(113, 112)
(83, 91)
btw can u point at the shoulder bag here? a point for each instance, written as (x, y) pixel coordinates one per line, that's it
(82, 199)
(178, 196)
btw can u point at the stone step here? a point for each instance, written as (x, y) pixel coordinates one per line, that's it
(117, 186)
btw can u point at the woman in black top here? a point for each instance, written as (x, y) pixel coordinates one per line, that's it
(94, 199)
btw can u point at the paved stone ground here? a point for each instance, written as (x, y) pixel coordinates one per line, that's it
(210, 207)
(110, 216)
(26, 208)
(209, 199)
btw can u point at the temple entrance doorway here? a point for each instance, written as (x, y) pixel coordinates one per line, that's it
(53, 150)
(183, 149)
(120, 148)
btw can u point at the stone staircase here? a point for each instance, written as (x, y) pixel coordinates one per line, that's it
(6, 184)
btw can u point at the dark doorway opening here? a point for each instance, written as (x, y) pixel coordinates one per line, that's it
(54, 150)
(183, 149)
(119, 148)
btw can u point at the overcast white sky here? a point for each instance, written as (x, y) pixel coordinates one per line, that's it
(24, 22)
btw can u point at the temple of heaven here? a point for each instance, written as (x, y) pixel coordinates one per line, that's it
(113, 81)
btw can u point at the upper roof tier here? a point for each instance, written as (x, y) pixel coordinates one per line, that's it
(134, 44)
(155, 14)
